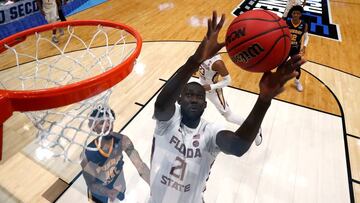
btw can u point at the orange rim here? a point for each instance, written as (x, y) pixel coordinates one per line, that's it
(32, 100)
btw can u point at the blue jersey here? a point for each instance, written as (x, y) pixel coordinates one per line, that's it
(296, 31)
(110, 169)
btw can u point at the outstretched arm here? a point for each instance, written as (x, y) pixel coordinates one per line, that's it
(209, 46)
(271, 84)
(134, 156)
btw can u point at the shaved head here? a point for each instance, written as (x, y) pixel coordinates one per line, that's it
(193, 86)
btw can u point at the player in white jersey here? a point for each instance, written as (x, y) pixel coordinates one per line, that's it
(184, 145)
(292, 3)
(49, 9)
(209, 72)
(183, 156)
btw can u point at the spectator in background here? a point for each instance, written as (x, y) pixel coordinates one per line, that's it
(49, 9)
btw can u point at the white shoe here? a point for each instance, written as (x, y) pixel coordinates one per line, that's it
(258, 139)
(54, 39)
(298, 85)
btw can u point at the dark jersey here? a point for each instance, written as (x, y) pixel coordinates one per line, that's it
(109, 168)
(296, 34)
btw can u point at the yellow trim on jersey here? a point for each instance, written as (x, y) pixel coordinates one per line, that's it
(102, 152)
(295, 26)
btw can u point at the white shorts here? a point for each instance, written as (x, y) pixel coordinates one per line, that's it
(51, 15)
(217, 98)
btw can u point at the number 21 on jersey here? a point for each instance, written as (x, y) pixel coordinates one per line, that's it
(179, 169)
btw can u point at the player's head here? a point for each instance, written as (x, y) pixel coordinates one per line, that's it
(192, 101)
(296, 11)
(101, 120)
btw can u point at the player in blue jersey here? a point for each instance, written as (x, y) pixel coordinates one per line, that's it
(298, 30)
(103, 167)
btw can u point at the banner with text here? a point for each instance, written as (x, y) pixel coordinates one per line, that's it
(18, 10)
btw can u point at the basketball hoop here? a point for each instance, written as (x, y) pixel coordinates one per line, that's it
(41, 90)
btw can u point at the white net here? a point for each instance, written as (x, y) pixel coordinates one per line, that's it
(66, 130)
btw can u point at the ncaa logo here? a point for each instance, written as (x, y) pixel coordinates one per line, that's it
(316, 14)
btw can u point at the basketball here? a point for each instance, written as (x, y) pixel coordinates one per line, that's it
(258, 40)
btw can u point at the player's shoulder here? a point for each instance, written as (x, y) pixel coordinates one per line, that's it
(91, 155)
(304, 23)
(212, 127)
(288, 21)
(216, 57)
(176, 115)
(123, 140)
(165, 127)
(119, 137)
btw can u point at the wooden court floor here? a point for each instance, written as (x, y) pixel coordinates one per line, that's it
(171, 31)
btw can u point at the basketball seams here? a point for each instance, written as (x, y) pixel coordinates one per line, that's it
(259, 19)
(272, 14)
(251, 50)
(285, 55)
(272, 47)
(256, 36)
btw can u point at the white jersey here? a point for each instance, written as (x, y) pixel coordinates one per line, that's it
(49, 4)
(181, 160)
(207, 75)
(50, 10)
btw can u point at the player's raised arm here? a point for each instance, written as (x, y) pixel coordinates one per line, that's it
(209, 46)
(271, 84)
